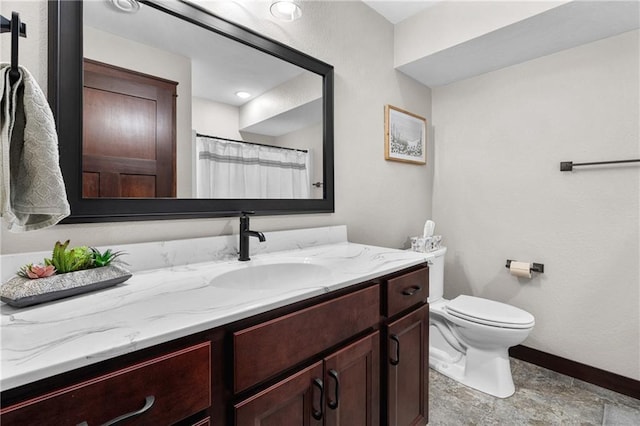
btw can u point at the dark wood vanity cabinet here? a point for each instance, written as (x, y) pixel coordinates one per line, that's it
(405, 366)
(357, 356)
(339, 387)
(366, 381)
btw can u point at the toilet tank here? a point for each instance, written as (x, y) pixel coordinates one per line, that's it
(436, 274)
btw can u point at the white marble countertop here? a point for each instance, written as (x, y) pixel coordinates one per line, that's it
(175, 300)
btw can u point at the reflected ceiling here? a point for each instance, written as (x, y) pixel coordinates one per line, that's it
(214, 76)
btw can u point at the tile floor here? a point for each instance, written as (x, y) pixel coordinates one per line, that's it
(542, 397)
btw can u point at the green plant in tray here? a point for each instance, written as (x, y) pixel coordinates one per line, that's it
(65, 260)
(103, 259)
(71, 260)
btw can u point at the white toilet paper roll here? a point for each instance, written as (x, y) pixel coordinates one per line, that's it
(520, 269)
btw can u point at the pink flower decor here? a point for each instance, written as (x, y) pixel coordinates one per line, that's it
(40, 271)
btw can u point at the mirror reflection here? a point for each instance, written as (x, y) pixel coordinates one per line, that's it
(173, 110)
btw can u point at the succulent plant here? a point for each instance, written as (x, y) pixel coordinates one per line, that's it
(65, 260)
(69, 260)
(36, 271)
(103, 259)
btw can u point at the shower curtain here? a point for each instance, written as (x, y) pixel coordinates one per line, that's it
(235, 169)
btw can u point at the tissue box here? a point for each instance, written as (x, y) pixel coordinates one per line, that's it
(426, 244)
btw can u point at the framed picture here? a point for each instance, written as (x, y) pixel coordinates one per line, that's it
(405, 136)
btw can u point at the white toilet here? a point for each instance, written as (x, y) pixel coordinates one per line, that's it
(469, 337)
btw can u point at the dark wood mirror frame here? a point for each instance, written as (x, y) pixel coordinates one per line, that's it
(65, 97)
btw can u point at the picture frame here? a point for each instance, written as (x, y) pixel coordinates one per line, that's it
(405, 136)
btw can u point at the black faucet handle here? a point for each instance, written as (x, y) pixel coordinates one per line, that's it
(247, 212)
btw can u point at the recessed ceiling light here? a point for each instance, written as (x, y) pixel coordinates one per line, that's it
(243, 95)
(287, 10)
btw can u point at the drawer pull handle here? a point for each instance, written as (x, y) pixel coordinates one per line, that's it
(397, 360)
(334, 404)
(411, 290)
(148, 403)
(317, 414)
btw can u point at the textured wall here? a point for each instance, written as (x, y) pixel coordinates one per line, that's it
(381, 202)
(499, 194)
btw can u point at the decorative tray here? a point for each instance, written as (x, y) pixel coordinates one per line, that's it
(20, 292)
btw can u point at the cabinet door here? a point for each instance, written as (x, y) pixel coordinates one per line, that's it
(407, 368)
(296, 400)
(352, 385)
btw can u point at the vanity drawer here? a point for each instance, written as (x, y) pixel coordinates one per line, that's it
(262, 351)
(406, 290)
(173, 387)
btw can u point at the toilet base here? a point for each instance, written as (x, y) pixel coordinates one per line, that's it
(486, 371)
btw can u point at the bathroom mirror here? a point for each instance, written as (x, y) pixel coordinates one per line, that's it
(86, 35)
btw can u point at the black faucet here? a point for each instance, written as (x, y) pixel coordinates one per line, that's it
(245, 233)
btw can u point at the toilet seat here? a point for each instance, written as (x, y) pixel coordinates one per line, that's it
(489, 312)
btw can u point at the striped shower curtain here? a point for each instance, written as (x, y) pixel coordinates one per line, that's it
(234, 169)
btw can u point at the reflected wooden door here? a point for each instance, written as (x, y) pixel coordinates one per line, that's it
(129, 134)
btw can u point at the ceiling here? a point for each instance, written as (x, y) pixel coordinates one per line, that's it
(568, 25)
(398, 10)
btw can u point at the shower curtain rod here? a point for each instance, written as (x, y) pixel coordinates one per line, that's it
(567, 166)
(251, 143)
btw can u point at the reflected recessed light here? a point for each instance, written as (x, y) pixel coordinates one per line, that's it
(287, 10)
(126, 6)
(243, 95)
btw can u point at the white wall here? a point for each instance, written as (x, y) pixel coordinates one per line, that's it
(309, 138)
(381, 202)
(499, 194)
(215, 118)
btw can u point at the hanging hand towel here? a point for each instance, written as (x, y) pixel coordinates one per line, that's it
(33, 194)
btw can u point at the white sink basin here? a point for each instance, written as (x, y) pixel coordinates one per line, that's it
(277, 275)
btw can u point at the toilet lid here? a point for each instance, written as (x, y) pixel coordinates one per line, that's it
(489, 312)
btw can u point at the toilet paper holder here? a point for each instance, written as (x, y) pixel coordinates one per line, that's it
(535, 267)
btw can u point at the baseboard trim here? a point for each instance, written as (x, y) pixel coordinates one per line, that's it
(596, 376)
